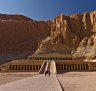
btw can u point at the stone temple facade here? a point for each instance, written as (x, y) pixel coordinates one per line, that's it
(58, 63)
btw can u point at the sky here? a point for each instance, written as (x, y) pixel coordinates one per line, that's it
(46, 9)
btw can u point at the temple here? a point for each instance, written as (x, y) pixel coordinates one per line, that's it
(58, 63)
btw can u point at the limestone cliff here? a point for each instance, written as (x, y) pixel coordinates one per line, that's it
(68, 31)
(19, 34)
(87, 47)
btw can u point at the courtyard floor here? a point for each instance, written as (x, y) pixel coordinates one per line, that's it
(7, 77)
(70, 81)
(78, 81)
(35, 83)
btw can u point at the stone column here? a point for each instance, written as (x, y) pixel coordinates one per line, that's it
(60, 67)
(14, 67)
(29, 67)
(69, 67)
(66, 67)
(25, 67)
(63, 67)
(17, 67)
(35, 67)
(89, 66)
(20, 67)
(10, 67)
(77, 66)
(81, 66)
(32, 67)
(85, 67)
(73, 66)
(39, 67)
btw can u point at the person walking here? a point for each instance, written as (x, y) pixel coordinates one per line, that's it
(46, 72)
(49, 73)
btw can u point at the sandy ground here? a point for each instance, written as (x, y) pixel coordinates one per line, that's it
(78, 81)
(13, 76)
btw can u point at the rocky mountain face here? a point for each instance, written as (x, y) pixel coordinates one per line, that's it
(68, 31)
(66, 34)
(14, 17)
(87, 47)
(19, 34)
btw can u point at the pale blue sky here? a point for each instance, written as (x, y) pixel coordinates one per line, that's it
(46, 9)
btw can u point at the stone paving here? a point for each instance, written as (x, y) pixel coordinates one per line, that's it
(7, 77)
(35, 83)
(78, 81)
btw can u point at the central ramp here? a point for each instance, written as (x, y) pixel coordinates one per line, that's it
(53, 67)
(48, 65)
(35, 83)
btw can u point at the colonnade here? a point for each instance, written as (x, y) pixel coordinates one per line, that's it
(25, 67)
(61, 67)
(50, 58)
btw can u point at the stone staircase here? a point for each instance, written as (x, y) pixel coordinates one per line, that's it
(48, 65)
(42, 69)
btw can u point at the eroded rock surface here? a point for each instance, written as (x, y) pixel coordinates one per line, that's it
(68, 31)
(19, 34)
(87, 47)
